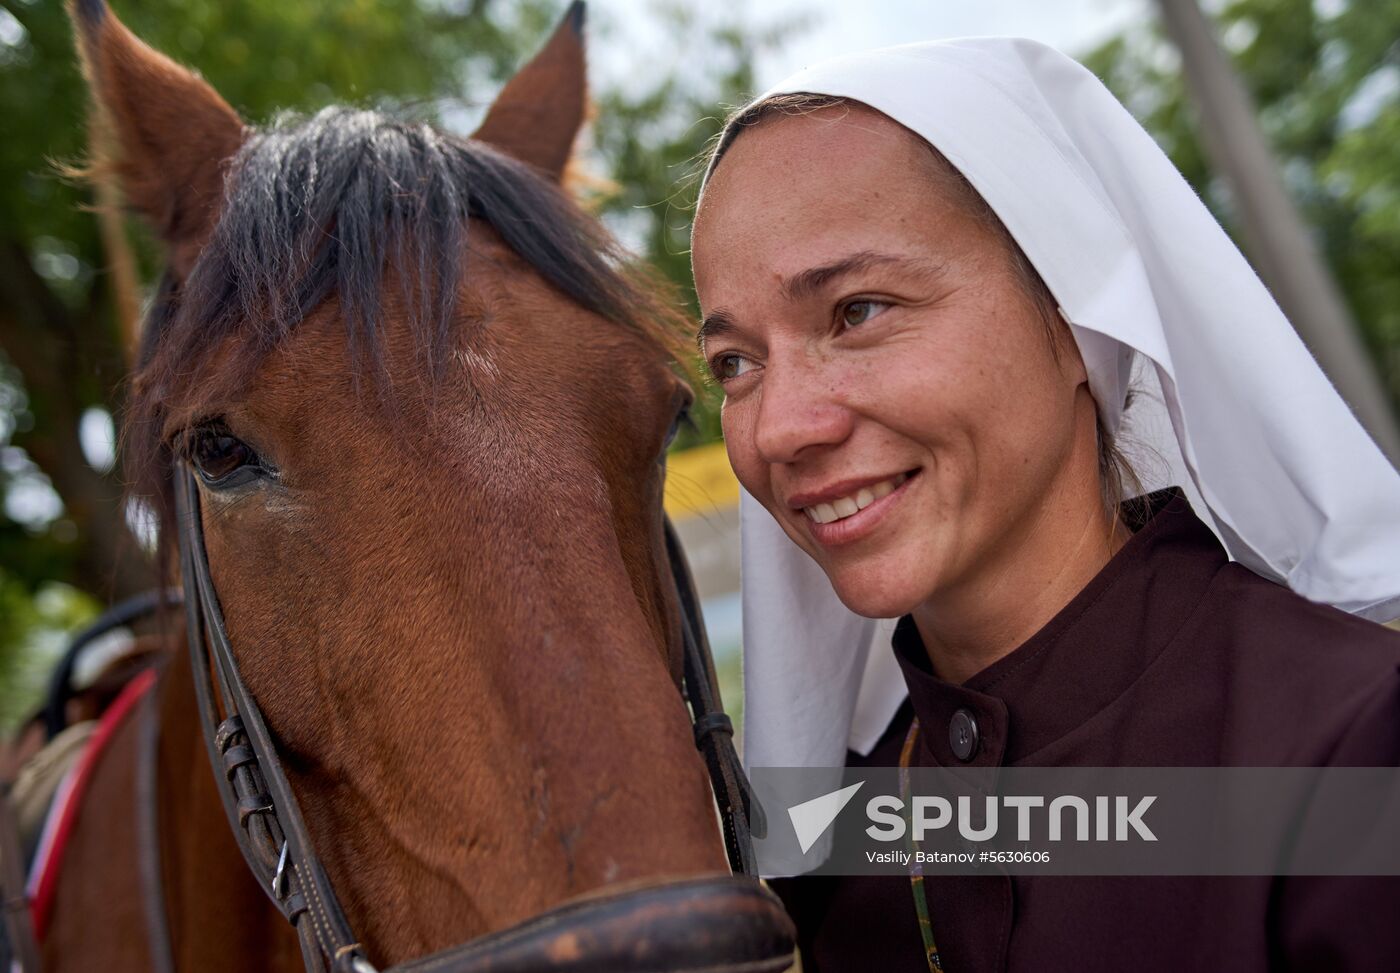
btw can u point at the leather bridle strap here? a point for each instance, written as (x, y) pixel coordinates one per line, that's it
(740, 812)
(716, 923)
(148, 835)
(258, 800)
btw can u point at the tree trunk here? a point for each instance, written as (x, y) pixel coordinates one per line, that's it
(65, 358)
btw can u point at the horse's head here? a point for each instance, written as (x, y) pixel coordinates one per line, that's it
(427, 407)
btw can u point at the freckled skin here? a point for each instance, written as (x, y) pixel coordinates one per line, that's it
(952, 374)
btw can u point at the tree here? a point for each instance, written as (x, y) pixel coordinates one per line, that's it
(1326, 79)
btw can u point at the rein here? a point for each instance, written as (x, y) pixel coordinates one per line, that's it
(713, 923)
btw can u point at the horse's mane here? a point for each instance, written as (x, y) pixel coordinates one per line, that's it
(324, 205)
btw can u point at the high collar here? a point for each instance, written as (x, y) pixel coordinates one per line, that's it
(1085, 657)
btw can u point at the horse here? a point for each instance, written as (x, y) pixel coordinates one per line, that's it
(420, 401)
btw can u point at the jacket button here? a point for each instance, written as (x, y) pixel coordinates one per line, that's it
(962, 735)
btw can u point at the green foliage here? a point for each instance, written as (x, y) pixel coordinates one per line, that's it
(1326, 81)
(34, 628)
(261, 55)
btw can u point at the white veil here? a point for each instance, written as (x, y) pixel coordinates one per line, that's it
(1154, 291)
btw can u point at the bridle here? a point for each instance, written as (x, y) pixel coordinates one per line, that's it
(713, 923)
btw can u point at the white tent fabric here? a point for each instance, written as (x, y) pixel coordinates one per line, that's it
(1236, 411)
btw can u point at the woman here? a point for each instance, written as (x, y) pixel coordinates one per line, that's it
(933, 279)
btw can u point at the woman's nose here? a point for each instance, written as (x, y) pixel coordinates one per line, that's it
(799, 412)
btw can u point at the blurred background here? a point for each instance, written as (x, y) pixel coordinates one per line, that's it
(1317, 82)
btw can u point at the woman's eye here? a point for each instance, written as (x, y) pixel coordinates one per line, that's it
(216, 455)
(853, 313)
(726, 367)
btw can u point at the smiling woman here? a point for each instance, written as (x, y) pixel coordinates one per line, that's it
(930, 278)
(907, 305)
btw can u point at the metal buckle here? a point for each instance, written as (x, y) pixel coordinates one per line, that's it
(357, 962)
(280, 879)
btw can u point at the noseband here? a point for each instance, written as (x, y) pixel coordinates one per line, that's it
(713, 924)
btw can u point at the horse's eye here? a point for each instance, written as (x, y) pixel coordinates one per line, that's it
(217, 456)
(682, 420)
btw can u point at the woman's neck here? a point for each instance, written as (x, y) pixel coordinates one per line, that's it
(1064, 541)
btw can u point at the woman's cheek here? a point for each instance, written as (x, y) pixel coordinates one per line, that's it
(737, 426)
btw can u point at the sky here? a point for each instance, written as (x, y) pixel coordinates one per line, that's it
(1073, 26)
(842, 26)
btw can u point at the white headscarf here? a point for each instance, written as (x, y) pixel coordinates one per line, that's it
(1154, 292)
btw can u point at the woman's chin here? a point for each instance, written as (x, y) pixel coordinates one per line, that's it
(875, 596)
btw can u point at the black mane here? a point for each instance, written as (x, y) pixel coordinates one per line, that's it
(323, 205)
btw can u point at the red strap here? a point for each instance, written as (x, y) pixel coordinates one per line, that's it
(59, 828)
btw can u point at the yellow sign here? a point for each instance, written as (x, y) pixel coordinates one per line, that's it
(699, 481)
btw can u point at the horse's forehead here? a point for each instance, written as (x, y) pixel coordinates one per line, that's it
(512, 336)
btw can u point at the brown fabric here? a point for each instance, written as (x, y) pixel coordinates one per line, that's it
(1171, 656)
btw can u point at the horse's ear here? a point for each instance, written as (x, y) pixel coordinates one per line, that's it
(538, 114)
(159, 130)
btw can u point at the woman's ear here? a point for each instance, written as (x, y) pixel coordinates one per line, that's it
(537, 116)
(159, 130)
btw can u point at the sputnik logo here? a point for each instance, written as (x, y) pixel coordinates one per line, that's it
(810, 819)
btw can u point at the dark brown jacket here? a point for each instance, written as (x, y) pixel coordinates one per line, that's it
(1171, 656)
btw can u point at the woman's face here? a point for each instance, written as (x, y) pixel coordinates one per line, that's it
(891, 393)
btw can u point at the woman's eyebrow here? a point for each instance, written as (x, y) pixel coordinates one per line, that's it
(808, 282)
(715, 324)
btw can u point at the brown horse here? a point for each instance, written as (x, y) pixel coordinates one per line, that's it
(427, 407)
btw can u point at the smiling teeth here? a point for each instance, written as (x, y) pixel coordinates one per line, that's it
(826, 513)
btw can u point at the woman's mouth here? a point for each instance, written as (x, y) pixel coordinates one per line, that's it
(849, 517)
(843, 507)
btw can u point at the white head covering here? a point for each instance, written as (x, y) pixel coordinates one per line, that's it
(1145, 276)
